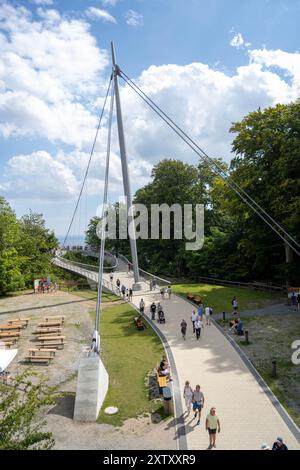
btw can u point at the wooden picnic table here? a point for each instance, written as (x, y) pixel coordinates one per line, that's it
(11, 327)
(33, 351)
(52, 344)
(49, 330)
(47, 338)
(54, 317)
(7, 334)
(19, 320)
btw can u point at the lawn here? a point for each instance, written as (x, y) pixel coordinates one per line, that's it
(270, 339)
(219, 297)
(128, 355)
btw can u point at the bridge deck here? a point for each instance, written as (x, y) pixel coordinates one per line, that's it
(248, 417)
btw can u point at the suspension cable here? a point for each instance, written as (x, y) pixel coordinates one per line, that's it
(89, 161)
(104, 217)
(225, 177)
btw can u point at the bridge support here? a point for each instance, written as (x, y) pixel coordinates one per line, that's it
(92, 386)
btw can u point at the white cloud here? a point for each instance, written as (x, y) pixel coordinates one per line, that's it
(48, 70)
(237, 41)
(134, 18)
(97, 14)
(111, 3)
(49, 15)
(42, 2)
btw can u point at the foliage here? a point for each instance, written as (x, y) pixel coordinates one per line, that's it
(21, 414)
(26, 247)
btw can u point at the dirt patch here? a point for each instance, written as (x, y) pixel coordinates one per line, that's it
(139, 433)
(270, 339)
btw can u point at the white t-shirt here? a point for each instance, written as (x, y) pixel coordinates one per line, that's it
(207, 311)
(198, 324)
(194, 317)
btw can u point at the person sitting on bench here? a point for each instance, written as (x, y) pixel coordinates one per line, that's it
(139, 323)
(238, 329)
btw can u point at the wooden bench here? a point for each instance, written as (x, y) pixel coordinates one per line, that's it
(8, 344)
(190, 297)
(197, 299)
(161, 380)
(54, 329)
(47, 324)
(54, 338)
(37, 352)
(9, 334)
(55, 317)
(52, 344)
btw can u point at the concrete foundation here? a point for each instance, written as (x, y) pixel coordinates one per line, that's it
(136, 286)
(92, 385)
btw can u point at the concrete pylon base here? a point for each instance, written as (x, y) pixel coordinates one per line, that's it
(92, 386)
(136, 286)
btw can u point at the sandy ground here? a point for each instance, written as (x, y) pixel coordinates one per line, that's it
(140, 433)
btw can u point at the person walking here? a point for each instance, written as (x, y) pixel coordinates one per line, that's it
(207, 315)
(234, 304)
(142, 306)
(111, 277)
(298, 301)
(193, 319)
(198, 325)
(123, 290)
(118, 284)
(198, 402)
(169, 291)
(200, 311)
(153, 310)
(183, 326)
(162, 293)
(212, 424)
(153, 284)
(159, 307)
(130, 294)
(188, 396)
(279, 444)
(294, 300)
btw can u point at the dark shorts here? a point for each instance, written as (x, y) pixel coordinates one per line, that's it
(197, 406)
(212, 431)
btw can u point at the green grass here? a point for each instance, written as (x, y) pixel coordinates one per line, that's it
(219, 297)
(128, 355)
(92, 295)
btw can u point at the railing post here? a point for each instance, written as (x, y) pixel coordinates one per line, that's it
(247, 336)
(274, 368)
(224, 316)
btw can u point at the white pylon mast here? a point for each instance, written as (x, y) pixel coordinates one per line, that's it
(125, 173)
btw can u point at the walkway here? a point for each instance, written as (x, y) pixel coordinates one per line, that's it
(248, 417)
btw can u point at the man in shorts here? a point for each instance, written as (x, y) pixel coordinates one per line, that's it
(207, 315)
(198, 402)
(211, 425)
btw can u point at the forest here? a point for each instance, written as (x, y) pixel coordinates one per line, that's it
(238, 244)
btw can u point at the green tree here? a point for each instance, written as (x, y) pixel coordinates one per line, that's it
(22, 406)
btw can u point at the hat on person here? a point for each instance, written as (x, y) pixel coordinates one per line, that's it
(265, 447)
(279, 439)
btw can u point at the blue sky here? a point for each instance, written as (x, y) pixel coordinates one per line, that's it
(207, 63)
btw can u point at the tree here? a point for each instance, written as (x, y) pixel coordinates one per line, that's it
(21, 414)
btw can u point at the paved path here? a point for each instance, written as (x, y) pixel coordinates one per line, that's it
(248, 417)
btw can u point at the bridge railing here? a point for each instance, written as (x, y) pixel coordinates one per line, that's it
(108, 257)
(145, 274)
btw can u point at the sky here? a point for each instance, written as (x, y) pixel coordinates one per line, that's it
(205, 63)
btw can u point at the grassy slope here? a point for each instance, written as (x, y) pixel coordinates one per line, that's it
(219, 297)
(128, 355)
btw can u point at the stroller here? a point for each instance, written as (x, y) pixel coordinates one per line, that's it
(161, 317)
